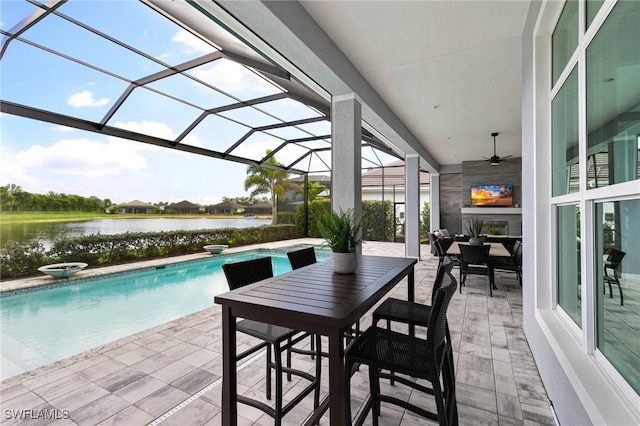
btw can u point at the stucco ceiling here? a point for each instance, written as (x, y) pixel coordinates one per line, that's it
(450, 70)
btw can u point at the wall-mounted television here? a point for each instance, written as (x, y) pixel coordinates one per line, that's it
(492, 195)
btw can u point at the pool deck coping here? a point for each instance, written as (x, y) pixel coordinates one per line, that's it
(22, 283)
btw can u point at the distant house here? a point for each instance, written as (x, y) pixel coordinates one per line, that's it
(225, 207)
(292, 196)
(264, 208)
(184, 207)
(390, 182)
(135, 207)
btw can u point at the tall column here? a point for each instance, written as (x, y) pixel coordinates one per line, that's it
(434, 201)
(412, 206)
(346, 154)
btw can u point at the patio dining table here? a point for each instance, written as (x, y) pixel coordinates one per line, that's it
(316, 300)
(496, 250)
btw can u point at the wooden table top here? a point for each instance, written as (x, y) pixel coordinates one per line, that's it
(316, 294)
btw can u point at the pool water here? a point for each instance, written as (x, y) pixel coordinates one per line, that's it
(41, 327)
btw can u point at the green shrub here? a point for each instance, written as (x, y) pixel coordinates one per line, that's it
(101, 250)
(377, 220)
(425, 220)
(286, 218)
(317, 208)
(17, 260)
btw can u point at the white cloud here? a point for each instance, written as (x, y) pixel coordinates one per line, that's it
(232, 78)
(151, 128)
(85, 98)
(164, 56)
(159, 130)
(76, 157)
(191, 43)
(63, 129)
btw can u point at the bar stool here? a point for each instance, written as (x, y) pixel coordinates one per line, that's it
(276, 338)
(385, 350)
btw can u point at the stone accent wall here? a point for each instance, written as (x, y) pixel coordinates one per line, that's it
(482, 173)
(451, 202)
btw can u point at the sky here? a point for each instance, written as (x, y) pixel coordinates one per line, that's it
(42, 157)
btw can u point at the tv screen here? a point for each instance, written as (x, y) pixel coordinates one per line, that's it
(492, 195)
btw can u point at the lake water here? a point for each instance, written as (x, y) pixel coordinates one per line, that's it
(47, 232)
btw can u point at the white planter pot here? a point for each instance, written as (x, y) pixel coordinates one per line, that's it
(478, 241)
(344, 263)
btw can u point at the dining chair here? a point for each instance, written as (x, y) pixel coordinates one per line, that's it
(409, 358)
(407, 312)
(412, 313)
(276, 338)
(613, 262)
(474, 260)
(512, 263)
(301, 258)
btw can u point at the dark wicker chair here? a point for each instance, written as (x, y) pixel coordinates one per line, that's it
(474, 260)
(301, 258)
(613, 262)
(412, 313)
(513, 263)
(276, 338)
(405, 355)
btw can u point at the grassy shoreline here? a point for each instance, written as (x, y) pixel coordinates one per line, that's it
(41, 217)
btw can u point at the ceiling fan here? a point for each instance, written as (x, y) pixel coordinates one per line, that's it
(496, 159)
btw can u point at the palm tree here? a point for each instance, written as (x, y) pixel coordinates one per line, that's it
(313, 189)
(268, 181)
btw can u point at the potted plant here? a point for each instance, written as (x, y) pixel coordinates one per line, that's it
(474, 229)
(341, 233)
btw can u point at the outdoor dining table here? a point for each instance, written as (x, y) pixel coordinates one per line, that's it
(496, 250)
(312, 299)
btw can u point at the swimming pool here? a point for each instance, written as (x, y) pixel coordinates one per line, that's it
(40, 327)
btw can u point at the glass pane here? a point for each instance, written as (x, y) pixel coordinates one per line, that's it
(288, 133)
(150, 113)
(319, 128)
(250, 116)
(618, 286)
(234, 79)
(569, 261)
(320, 162)
(290, 153)
(613, 98)
(217, 133)
(72, 40)
(288, 109)
(316, 144)
(182, 87)
(139, 26)
(256, 146)
(13, 12)
(68, 88)
(564, 123)
(592, 8)
(564, 39)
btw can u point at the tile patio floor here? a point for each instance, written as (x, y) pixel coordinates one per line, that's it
(171, 374)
